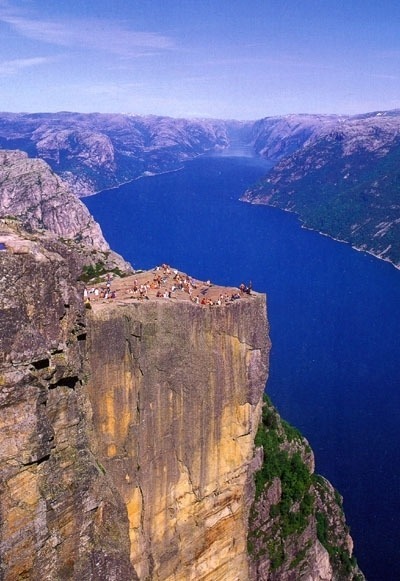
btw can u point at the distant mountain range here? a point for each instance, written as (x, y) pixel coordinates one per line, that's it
(340, 174)
(93, 152)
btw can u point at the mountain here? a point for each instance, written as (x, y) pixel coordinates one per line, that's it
(278, 137)
(341, 175)
(93, 152)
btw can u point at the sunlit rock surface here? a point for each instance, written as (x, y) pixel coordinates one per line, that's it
(175, 389)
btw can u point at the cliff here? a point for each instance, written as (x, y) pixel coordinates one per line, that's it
(128, 428)
(131, 435)
(175, 389)
(60, 515)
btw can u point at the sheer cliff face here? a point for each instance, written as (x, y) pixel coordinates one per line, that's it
(126, 431)
(60, 515)
(175, 390)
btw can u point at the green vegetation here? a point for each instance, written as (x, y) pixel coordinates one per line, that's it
(301, 555)
(282, 459)
(91, 272)
(332, 196)
(301, 492)
(94, 272)
(11, 217)
(289, 467)
(338, 555)
(100, 467)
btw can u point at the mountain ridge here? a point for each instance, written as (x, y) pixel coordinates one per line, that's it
(339, 173)
(98, 151)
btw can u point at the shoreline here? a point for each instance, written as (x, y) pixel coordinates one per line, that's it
(210, 152)
(304, 226)
(144, 175)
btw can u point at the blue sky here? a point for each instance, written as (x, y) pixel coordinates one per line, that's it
(241, 59)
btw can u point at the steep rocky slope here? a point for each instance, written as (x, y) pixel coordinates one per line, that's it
(31, 192)
(297, 527)
(60, 514)
(342, 180)
(278, 137)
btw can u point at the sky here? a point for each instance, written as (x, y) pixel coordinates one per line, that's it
(229, 59)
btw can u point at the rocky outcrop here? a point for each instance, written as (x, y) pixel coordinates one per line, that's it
(35, 194)
(128, 429)
(176, 393)
(31, 192)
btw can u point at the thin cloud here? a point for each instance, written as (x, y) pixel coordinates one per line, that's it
(110, 89)
(12, 67)
(98, 34)
(281, 61)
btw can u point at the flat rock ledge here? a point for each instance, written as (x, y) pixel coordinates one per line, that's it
(160, 284)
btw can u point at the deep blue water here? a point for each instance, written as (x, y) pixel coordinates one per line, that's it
(334, 315)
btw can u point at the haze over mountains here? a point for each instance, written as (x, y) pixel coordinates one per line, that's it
(338, 173)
